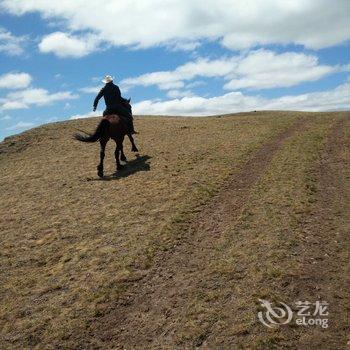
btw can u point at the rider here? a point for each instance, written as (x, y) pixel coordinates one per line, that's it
(115, 103)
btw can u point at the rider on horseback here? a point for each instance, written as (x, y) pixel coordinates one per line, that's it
(115, 103)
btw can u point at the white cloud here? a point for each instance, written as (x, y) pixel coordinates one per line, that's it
(179, 93)
(260, 69)
(336, 99)
(264, 69)
(91, 89)
(38, 97)
(10, 44)
(167, 80)
(87, 115)
(15, 80)
(66, 45)
(183, 45)
(6, 117)
(237, 24)
(20, 125)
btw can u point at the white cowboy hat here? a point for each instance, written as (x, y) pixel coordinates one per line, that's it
(107, 79)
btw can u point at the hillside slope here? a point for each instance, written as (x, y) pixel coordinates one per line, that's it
(175, 251)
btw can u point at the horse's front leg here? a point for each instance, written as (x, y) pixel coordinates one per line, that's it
(133, 148)
(102, 156)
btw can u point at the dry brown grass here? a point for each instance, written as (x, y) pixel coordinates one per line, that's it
(281, 248)
(72, 245)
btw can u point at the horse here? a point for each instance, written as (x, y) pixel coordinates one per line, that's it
(110, 127)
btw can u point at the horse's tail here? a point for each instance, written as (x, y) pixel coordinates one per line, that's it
(100, 130)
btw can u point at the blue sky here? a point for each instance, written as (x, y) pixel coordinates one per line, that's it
(172, 57)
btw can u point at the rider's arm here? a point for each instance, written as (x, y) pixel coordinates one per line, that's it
(99, 95)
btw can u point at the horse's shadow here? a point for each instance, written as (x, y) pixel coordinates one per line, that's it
(131, 167)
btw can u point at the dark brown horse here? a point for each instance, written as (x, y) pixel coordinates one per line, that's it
(110, 127)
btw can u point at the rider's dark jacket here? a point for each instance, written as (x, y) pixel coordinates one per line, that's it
(115, 104)
(111, 95)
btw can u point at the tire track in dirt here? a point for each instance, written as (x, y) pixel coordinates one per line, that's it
(149, 313)
(325, 275)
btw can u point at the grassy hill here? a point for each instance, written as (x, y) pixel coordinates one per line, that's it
(176, 250)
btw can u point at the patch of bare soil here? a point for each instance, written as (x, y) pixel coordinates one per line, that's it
(153, 312)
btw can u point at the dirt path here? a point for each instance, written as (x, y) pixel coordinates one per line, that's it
(325, 258)
(154, 309)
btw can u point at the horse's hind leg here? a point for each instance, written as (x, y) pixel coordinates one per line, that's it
(133, 148)
(103, 143)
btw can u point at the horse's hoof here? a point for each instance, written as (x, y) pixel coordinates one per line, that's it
(134, 149)
(100, 172)
(123, 159)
